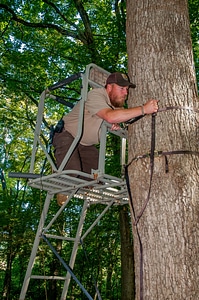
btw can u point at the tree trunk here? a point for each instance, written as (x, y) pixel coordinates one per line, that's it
(127, 257)
(11, 253)
(161, 64)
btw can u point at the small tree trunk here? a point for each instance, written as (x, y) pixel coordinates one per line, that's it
(8, 272)
(127, 257)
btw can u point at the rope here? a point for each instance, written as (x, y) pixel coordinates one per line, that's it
(152, 154)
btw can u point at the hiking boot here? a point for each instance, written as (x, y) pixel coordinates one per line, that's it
(61, 199)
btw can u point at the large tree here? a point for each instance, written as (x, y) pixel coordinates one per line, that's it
(163, 151)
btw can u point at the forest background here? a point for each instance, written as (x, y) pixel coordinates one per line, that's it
(42, 43)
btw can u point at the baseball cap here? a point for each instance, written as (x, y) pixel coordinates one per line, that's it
(120, 79)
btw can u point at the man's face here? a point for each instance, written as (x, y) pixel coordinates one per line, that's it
(117, 94)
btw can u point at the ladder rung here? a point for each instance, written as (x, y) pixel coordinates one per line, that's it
(47, 277)
(59, 237)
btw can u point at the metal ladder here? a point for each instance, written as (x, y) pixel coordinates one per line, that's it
(103, 188)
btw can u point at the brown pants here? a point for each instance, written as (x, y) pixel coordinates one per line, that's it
(83, 158)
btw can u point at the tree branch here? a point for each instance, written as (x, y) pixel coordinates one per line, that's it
(59, 29)
(86, 21)
(60, 13)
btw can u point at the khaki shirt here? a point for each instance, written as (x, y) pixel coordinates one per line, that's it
(97, 100)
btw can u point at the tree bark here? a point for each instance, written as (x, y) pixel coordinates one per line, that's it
(127, 256)
(161, 64)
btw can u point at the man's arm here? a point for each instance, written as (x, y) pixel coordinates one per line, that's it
(123, 115)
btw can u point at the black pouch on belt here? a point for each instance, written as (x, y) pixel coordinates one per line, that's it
(60, 125)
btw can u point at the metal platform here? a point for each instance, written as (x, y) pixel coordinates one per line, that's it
(103, 190)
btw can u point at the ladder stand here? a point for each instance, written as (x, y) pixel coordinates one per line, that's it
(103, 188)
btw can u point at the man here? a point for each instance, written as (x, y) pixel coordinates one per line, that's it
(104, 103)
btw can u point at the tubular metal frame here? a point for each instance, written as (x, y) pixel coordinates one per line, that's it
(103, 188)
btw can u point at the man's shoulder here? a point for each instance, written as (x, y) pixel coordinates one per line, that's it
(100, 91)
(97, 97)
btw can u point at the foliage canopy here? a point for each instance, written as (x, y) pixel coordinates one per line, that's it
(41, 43)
